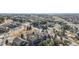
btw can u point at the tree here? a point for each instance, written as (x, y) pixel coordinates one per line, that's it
(22, 36)
(48, 42)
(1, 19)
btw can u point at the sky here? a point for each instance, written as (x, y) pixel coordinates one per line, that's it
(39, 6)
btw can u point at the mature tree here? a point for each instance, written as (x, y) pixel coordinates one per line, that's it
(1, 19)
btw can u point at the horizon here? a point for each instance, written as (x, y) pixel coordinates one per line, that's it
(39, 13)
